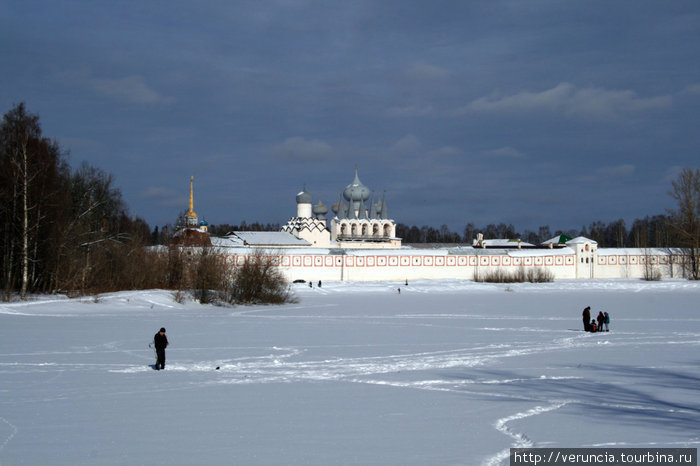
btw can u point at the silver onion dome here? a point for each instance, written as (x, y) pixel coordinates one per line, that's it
(320, 210)
(304, 197)
(356, 192)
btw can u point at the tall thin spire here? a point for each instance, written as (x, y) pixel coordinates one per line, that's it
(341, 213)
(192, 220)
(385, 212)
(362, 212)
(372, 209)
(191, 195)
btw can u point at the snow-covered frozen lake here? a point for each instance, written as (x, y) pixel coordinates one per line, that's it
(446, 372)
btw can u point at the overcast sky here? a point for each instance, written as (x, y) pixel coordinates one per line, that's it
(530, 112)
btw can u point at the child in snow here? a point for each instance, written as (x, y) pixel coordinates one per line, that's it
(601, 319)
(594, 326)
(607, 322)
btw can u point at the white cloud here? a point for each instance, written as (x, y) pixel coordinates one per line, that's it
(567, 99)
(425, 71)
(130, 88)
(692, 89)
(298, 148)
(409, 144)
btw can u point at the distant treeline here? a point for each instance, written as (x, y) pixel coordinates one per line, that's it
(653, 231)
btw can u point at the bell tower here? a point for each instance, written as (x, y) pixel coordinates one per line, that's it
(192, 220)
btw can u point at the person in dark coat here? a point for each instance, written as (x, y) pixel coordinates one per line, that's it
(160, 341)
(601, 320)
(587, 319)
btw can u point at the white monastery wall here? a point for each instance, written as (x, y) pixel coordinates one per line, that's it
(400, 265)
(636, 263)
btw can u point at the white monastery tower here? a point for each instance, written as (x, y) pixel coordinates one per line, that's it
(305, 226)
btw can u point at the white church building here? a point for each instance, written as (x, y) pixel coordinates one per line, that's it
(354, 225)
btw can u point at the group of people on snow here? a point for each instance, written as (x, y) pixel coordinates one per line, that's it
(599, 324)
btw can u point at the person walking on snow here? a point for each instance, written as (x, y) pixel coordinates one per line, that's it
(160, 341)
(586, 319)
(607, 322)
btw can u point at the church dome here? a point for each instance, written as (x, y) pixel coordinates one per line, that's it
(304, 197)
(356, 191)
(320, 208)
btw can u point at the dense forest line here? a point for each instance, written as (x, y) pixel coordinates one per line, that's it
(69, 230)
(647, 232)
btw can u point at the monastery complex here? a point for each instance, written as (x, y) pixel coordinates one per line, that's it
(358, 243)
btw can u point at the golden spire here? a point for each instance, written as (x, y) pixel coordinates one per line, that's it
(191, 211)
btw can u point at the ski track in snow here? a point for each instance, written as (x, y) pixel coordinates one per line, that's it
(291, 364)
(519, 438)
(10, 436)
(283, 366)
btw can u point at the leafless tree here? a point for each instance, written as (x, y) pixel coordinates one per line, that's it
(685, 220)
(31, 180)
(259, 281)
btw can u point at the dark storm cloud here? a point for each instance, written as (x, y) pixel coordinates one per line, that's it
(542, 112)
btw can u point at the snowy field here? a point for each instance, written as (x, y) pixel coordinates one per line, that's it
(446, 372)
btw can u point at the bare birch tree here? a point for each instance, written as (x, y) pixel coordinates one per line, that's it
(32, 169)
(686, 219)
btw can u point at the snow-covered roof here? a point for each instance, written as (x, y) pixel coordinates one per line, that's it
(260, 238)
(559, 239)
(565, 251)
(513, 252)
(505, 243)
(638, 251)
(581, 240)
(396, 252)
